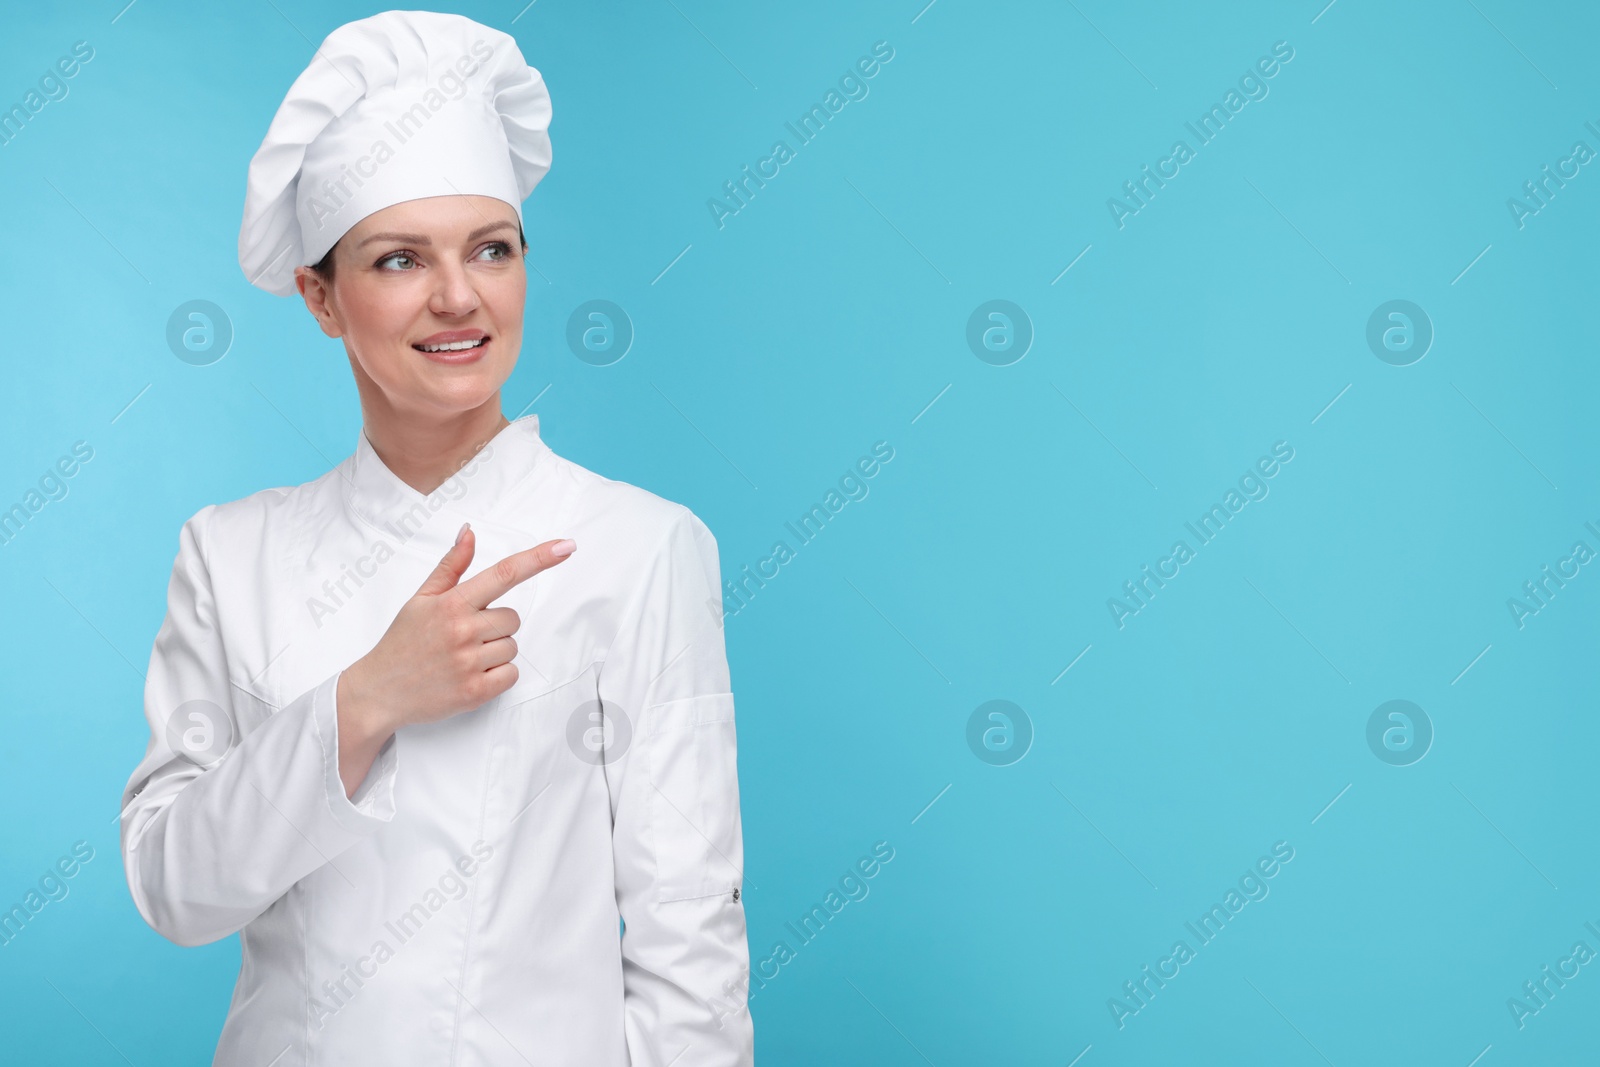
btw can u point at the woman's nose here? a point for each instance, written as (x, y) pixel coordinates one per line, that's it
(453, 292)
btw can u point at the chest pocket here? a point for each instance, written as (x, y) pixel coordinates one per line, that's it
(694, 797)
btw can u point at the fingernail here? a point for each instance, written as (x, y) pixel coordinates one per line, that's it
(462, 532)
(563, 548)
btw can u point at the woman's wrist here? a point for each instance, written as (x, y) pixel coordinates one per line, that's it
(363, 727)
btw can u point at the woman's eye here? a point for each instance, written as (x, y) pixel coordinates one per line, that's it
(398, 257)
(500, 249)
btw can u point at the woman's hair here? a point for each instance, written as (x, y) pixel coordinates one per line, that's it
(324, 266)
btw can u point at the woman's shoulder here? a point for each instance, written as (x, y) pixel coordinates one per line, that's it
(252, 516)
(615, 497)
(645, 517)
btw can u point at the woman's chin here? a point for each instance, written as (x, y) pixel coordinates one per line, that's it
(466, 395)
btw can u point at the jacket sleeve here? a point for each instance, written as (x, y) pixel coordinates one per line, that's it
(676, 838)
(234, 801)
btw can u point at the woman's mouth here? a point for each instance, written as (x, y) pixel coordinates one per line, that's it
(453, 349)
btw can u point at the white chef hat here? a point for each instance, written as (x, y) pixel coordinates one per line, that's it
(395, 107)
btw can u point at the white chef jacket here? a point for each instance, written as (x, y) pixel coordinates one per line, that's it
(462, 908)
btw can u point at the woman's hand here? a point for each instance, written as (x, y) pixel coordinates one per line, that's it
(446, 652)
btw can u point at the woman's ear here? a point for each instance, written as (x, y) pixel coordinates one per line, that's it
(317, 295)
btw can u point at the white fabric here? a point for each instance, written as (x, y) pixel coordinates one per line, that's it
(488, 856)
(398, 106)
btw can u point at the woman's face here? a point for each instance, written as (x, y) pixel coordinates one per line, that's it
(428, 296)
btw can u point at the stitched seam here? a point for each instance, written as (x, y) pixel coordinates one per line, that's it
(585, 669)
(658, 730)
(721, 890)
(636, 607)
(202, 542)
(306, 912)
(253, 695)
(472, 911)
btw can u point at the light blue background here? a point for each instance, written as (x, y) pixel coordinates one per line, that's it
(827, 315)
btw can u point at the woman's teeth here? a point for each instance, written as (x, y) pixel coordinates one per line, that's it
(454, 346)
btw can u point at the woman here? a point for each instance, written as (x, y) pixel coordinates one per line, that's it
(421, 753)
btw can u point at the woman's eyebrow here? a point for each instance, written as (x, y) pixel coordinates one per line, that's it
(423, 239)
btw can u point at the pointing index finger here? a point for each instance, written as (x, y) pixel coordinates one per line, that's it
(493, 582)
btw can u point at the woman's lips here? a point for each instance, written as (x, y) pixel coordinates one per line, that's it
(465, 355)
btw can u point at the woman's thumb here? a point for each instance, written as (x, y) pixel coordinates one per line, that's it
(452, 566)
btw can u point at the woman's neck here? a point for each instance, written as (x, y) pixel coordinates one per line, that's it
(426, 452)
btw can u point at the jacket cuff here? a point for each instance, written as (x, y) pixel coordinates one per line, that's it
(373, 802)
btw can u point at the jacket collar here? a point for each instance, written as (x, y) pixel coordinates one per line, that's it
(428, 522)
